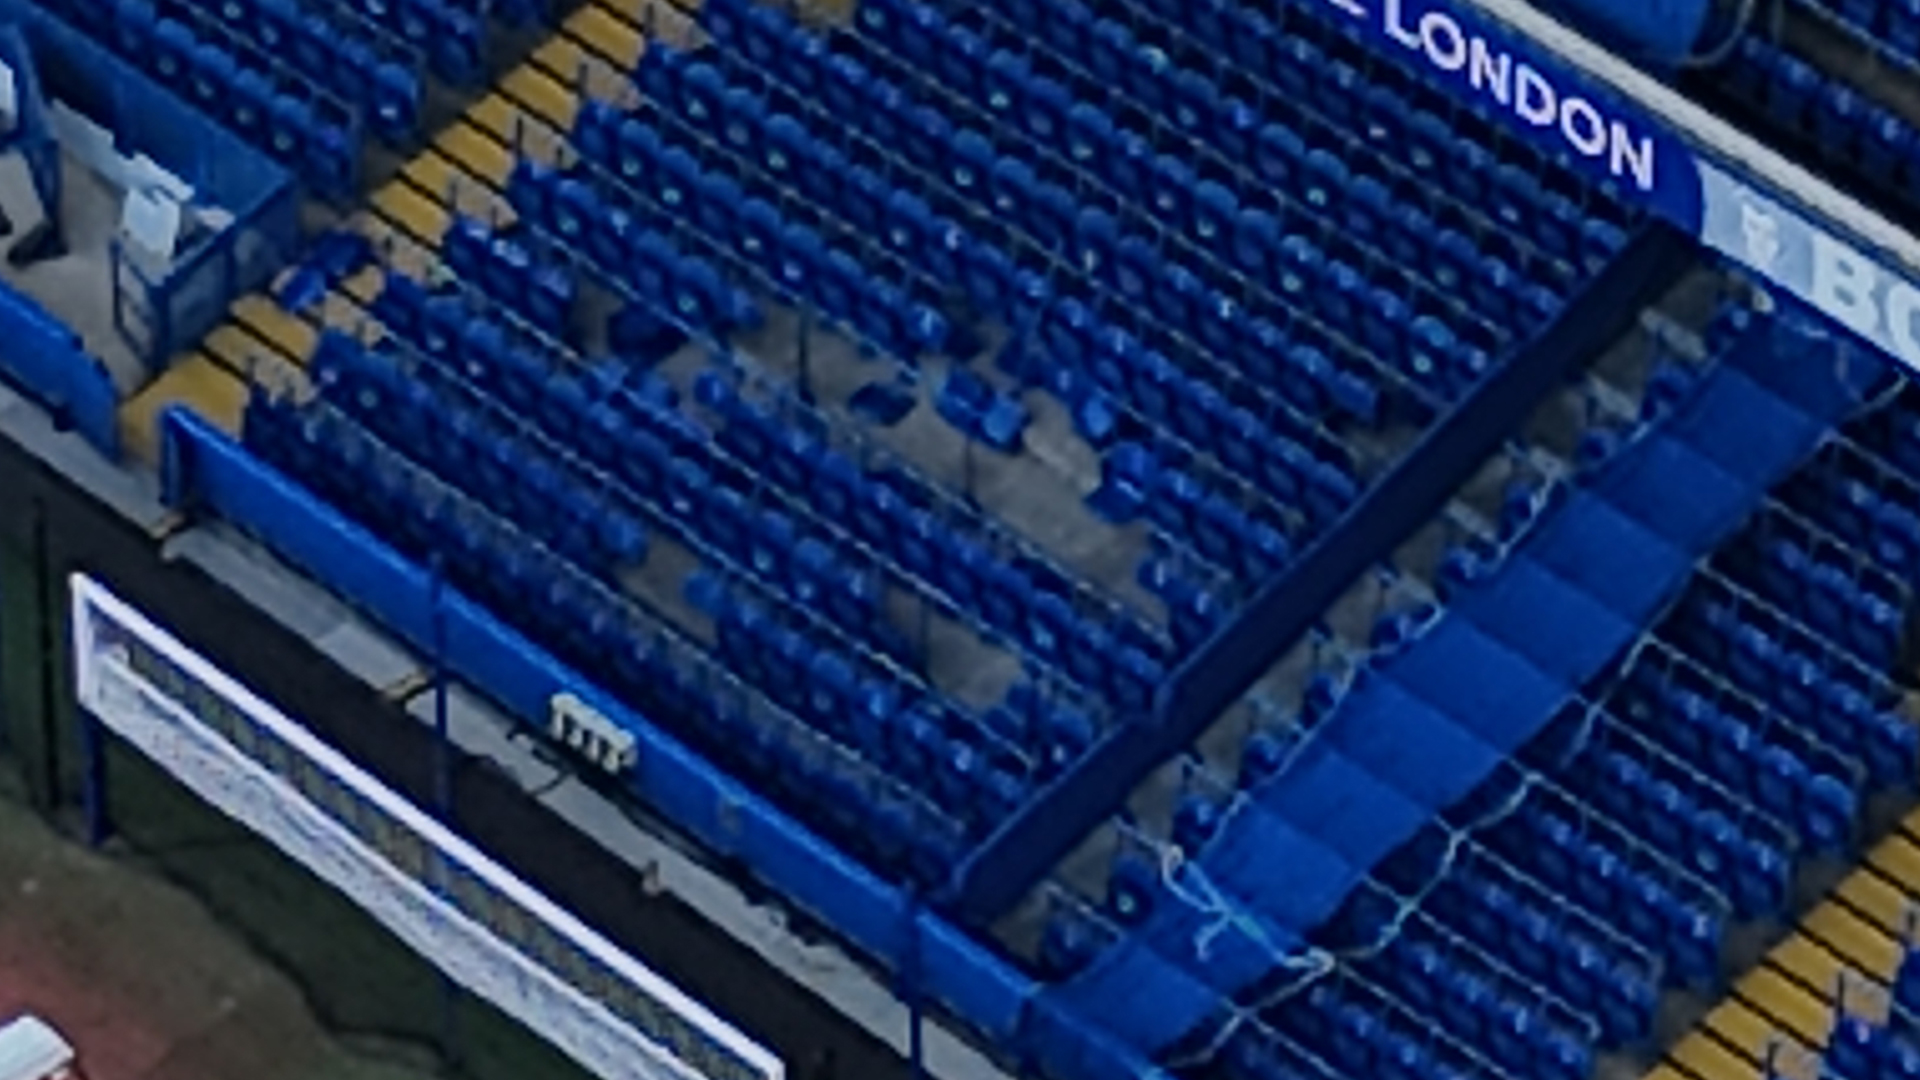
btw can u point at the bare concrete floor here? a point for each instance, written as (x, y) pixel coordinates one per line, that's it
(142, 978)
(78, 286)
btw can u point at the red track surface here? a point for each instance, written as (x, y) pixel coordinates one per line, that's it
(120, 1032)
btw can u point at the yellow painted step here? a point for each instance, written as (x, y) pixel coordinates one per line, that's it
(544, 98)
(424, 219)
(196, 381)
(1860, 929)
(613, 35)
(235, 348)
(1897, 856)
(464, 168)
(289, 334)
(470, 148)
(1795, 988)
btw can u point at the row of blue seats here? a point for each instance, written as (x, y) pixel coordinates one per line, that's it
(1715, 833)
(1196, 605)
(1764, 759)
(1864, 503)
(449, 34)
(709, 501)
(1076, 350)
(579, 517)
(1076, 353)
(1259, 1053)
(1298, 51)
(1162, 188)
(334, 50)
(449, 329)
(973, 179)
(516, 268)
(796, 256)
(1387, 204)
(1779, 663)
(573, 210)
(1135, 482)
(899, 831)
(1105, 375)
(481, 351)
(1357, 1030)
(1103, 653)
(754, 153)
(1617, 880)
(529, 268)
(1561, 946)
(1482, 1003)
(924, 744)
(1866, 142)
(1202, 423)
(1850, 603)
(1722, 641)
(719, 522)
(295, 120)
(1207, 88)
(1862, 1050)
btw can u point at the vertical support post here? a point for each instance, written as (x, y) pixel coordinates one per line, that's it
(442, 754)
(910, 988)
(93, 780)
(442, 787)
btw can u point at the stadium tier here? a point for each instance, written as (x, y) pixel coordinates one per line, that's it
(1196, 546)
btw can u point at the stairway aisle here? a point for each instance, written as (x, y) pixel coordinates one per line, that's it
(1794, 993)
(464, 168)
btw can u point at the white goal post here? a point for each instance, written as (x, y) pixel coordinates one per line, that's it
(484, 928)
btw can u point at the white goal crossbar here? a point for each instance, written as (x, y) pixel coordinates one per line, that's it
(484, 928)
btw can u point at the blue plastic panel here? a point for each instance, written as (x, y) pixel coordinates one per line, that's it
(47, 362)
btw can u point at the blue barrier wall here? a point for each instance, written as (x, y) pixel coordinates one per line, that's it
(161, 313)
(45, 360)
(204, 468)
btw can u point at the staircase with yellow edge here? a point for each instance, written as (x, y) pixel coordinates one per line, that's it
(1855, 938)
(464, 168)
